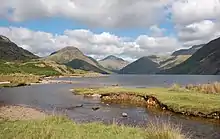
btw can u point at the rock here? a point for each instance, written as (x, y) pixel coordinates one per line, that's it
(95, 108)
(77, 106)
(124, 114)
(96, 95)
(115, 85)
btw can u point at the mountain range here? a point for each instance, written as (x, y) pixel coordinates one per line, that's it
(74, 58)
(199, 59)
(204, 61)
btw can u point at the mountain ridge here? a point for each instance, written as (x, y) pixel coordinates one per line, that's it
(10, 51)
(205, 61)
(72, 56)
(147, 67)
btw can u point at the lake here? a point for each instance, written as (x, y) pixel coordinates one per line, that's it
(147, 80)
(56, 98)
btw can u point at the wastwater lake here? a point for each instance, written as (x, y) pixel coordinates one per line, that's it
(58, 99)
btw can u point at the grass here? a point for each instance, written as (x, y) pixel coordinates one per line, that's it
(41, 68)
(27, 68)
(57, 127)
(211, 88)
(178, 100)
(18, 80)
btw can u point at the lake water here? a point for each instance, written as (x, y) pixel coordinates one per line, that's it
(147, 80)
(58, 99)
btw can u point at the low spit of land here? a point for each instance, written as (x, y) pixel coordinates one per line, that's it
(193, 100)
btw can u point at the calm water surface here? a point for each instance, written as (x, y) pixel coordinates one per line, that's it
(57, 98)
(148, 80)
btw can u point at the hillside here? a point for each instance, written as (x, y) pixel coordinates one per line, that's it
(10, 51)
(35, 67)
(205, 61)
(83, 65)
(113, 63)
(72, 56)
(167, 62)
(141, 66)
(189, 51)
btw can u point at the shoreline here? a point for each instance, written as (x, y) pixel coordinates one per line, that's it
(147, 101)
(18, 112)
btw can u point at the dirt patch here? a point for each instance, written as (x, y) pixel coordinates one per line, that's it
(10, 112)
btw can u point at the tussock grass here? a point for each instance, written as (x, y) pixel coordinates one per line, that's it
(19, 78)
(211, 88)
(62, 128)
(180, 101)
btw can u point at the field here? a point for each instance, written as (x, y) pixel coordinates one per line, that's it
(62, 128)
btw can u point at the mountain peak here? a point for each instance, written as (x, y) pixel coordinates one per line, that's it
(68, 49)
(5, 39)
(112, 57)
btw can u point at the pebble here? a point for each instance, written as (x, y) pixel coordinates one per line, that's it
(124, 114)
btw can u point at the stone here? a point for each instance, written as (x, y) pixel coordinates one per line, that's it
(95, 108)
(96, 95)
(124, 114)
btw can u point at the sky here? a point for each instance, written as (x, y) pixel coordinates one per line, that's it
(126, 28)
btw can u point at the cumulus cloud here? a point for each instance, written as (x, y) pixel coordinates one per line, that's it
(156, 45)
(96, 45)
(190, 11)
(105, 13)
(199, 32)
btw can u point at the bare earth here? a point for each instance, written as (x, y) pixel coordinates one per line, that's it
(20, 113)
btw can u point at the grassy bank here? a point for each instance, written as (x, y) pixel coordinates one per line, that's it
(41, 68)
(177, 100)
(18, 80)
(56, 127)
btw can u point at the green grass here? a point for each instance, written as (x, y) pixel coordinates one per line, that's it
(62, 128)
(26, 68)
(178, 100)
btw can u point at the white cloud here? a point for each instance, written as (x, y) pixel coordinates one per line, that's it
(97, 45)
(190, 11)
(156, 31)
(158, 45)
(105, 13)
(199, 32)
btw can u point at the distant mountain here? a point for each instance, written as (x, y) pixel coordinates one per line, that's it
(189, 51)
(167, 62)
(141, 66)
(72, 56)
(205, 61)
(10, 51)
(83, 65)
(173, 61)
(113, 63)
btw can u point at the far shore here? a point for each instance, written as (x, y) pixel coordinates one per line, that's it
(16, 80)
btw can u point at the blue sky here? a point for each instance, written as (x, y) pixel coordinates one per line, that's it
(57, 25)
(126, 28)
